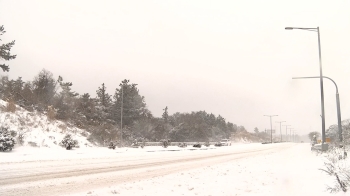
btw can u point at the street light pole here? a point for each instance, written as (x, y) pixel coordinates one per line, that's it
(271, 123)
(340, 129)
(290, 134)
(280, 128)
(324, 147)
(286, 131)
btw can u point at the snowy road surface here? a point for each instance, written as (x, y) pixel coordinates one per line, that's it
(87, 171)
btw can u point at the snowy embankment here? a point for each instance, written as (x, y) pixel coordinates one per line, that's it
(38, 130)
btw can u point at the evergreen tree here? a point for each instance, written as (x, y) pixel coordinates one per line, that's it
(103, 97)
(103, 106)
(86, 106)
(28, 95)
(44, 89)
(7, 141)
(65, 100)
(5, 51)
(17, 90)
(66, 92)
(5, 87)
(86, 111)
(165, 115)
(130, 104)
(256, 130)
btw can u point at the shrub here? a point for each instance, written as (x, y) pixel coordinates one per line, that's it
(336, 166)
(68, 142)
(7, 142)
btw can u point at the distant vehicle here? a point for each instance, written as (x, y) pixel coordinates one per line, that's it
(225, 142)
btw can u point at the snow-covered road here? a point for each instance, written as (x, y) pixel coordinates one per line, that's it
(60, 172)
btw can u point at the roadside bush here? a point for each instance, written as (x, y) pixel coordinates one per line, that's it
(337, 166)
(7, 141)
(68, 142)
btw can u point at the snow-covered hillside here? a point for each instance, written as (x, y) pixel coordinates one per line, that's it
(38, 130)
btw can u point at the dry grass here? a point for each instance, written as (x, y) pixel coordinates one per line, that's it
(51, 113)
(62, 126)
(11, 106)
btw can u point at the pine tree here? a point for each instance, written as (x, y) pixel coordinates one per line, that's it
(165, 114)
(44, 89)
(85, 111)
(66, 92)
(5, 51)
(102, 95)
(65, 100)
(130, 103)
(103, 106)
(28, 95)
(17, 90)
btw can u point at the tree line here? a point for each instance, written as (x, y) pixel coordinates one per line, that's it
(122, 115)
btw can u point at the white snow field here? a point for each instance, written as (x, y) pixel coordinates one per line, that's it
(241, 169)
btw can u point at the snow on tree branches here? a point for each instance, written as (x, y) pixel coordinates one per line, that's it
(7, 142)
(5, 51)
(68, 142)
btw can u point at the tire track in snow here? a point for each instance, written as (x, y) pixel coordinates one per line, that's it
(132, 171)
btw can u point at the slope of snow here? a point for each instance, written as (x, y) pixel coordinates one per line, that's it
(38, 130)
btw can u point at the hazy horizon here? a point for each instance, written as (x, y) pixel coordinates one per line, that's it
(232, 58)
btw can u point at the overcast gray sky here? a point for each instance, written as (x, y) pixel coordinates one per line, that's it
(232, 58)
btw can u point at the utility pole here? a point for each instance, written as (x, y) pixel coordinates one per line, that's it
(271, 123)
(280, 128)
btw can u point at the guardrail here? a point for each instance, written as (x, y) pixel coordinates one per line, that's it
(175, 143)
